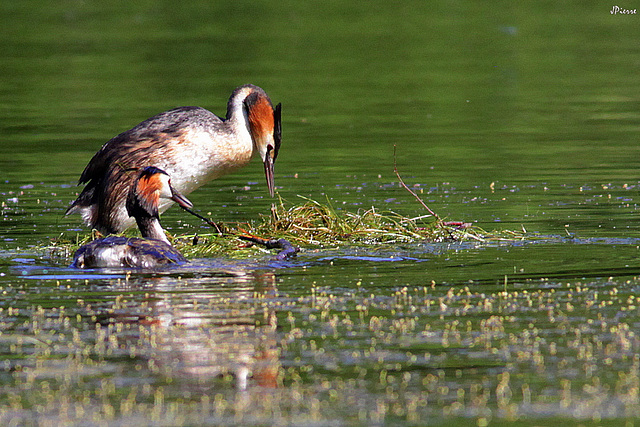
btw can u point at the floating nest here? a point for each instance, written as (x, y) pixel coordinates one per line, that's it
(314, 224)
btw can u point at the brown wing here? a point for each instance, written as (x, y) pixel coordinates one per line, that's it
(109, 173)
(154, 130)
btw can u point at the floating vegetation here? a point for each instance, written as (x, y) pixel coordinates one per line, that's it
(313, 224)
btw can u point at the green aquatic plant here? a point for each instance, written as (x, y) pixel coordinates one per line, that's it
(309, 225)
(314, 224)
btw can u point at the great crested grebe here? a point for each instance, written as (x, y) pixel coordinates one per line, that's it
(191, 144)
(149, 187)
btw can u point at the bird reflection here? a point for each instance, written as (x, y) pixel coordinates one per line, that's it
(204, 332)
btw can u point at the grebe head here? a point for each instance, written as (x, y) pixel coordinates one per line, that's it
(144, 197)
(265, 125)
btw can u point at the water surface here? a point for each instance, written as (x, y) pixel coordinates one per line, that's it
(510, 117)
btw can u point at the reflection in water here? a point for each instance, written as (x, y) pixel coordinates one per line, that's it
(204, 334)
(516, 349)
(500, 129)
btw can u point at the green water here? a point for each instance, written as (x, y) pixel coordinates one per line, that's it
(512, 117)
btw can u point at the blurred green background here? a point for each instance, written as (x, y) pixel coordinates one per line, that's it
(541, 96)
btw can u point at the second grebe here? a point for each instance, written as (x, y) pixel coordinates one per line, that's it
(153, 249)
(191, 144)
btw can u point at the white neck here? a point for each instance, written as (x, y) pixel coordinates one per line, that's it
(237, 116)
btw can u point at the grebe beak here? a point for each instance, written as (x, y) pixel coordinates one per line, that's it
(179, 198)
(268, 172)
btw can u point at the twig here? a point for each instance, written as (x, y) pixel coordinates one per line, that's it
(395, 169)
(288, 250)
(207, 220)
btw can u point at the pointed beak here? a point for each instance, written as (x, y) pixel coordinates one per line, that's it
(268, 172)
(180, 199)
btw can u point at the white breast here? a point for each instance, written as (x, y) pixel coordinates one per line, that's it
(205, 157)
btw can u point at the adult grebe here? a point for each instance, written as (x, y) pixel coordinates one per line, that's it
(150, 186)
(191, 144)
